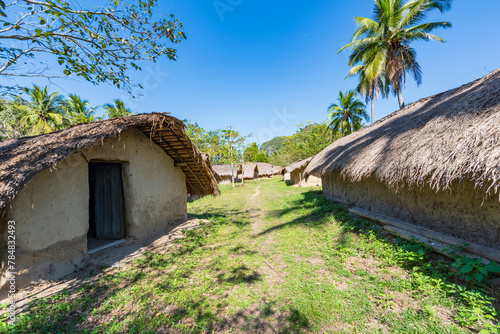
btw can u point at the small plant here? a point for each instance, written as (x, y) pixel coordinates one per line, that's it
(475, 270)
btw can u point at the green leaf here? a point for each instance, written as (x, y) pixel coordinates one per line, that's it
(466, 269)
(42, 20)
(483, 270)
(493, 267)
(479, 277)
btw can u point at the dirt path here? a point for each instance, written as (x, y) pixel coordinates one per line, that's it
(273, 265)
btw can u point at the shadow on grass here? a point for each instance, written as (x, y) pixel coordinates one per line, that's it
(318, 210)
(313, 211)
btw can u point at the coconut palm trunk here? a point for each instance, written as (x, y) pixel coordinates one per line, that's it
(400, 99)
(373, 109)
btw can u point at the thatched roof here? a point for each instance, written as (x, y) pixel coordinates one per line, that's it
(277, 170)
(437, 141)
(247, 170)
(23, 158)
(224, 170)
(265, 169)
(301, 164)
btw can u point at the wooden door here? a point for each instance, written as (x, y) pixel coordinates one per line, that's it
(107, 217)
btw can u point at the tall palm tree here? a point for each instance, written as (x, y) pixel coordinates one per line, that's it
(385, 40)
(79, 110)
(371, 85)
(347, 116)
(117, 110)
(44, 113)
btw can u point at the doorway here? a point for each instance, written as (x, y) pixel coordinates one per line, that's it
(106, 205)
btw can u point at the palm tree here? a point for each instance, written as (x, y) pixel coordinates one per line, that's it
(79, 110)
(372, 83)
(117, 110)
(44, 113)
(348, 116)
(385, 40)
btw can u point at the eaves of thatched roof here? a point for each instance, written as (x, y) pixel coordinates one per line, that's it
(277, 170)
(23, 158)
(265, 169)
(298, 165)
(247, 169)
(438, 140)
(224, 170)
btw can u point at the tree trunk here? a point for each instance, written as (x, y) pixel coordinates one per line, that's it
(373, 110)
(232, 173)
(400, 99)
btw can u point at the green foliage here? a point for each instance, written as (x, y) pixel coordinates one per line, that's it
(98, 44)
(11, 112)
(273, 145)
(308, 140)
(79, 109)
(117, 110)
(347, 116)
(253, 154)
(45, 113)
(476, 270)
(223, 146)
(381, 46)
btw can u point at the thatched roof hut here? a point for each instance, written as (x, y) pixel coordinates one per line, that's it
(265, 169)
(23, 158)
(223, 173)
(278, 170)
(294, 174)
(248, 171)
(446, 146)
(82, 188)
(299, 164)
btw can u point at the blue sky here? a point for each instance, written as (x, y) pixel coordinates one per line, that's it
(263, 67)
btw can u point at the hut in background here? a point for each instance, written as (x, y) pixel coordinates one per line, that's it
(265, 169)
(435, 163)
(248, 171)
(278, 170)
(85, 187)
(223, 173)
(295, 173)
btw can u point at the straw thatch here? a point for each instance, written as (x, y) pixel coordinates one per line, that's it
(23, 158)
(223, 173)
(278, 170)
(436, 141)
(224, 170)
(300, 164)
(265, 169)
(248, 171)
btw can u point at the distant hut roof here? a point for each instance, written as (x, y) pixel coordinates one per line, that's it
(298, 165)
(265, 169)
(277, 170)
(224, 170)
(23, 158)
(247, 169)
(437, 140)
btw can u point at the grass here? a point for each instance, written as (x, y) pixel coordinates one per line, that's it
(273, 258)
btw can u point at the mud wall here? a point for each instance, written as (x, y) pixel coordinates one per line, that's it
(52, 211)
(225, 179)
(461, 212)
(311, 181)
